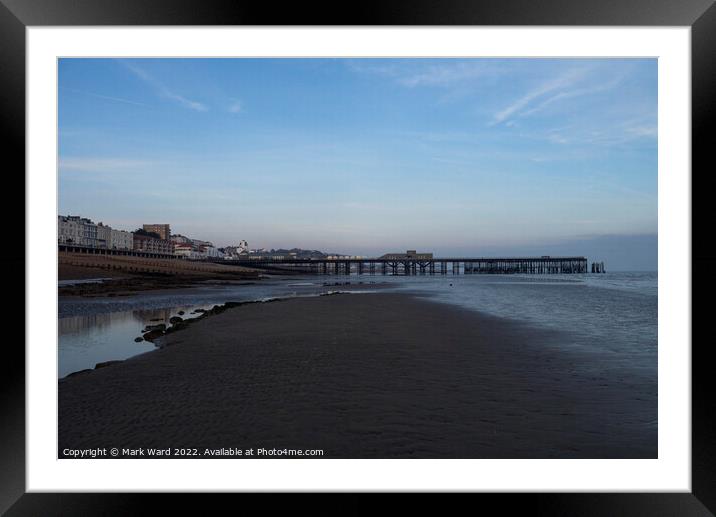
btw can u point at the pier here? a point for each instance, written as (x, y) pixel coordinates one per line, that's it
(404, 266)
(422, 266)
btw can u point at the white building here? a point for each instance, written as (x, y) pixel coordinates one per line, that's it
(184, 250)
(190, 252)
(72, 229)
(121, 240)
(69, 230)
(212, 252)
(80, 231)
(104, 236)
(237, 252)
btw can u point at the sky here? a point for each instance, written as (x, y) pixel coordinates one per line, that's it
(478, 157)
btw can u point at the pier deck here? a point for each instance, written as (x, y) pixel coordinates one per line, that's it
(435, 266)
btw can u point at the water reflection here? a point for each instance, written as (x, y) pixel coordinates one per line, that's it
(87, 339)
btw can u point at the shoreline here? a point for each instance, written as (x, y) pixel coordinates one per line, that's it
(383, 376)
(185, 318)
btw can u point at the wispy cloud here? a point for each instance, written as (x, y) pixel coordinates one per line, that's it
(577, 92)
(617, 134)
(85, 164)
(445, 75)
(105, 97)
(643, 131)
(414, 74)
(567, 79)
(236, 107)
(162, 90)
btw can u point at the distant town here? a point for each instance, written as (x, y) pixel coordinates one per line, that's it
(157, 240)
(79, 234)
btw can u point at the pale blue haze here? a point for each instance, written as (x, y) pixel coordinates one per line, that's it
(365, 156)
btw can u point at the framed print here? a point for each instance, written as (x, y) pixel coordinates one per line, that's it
(417, 254)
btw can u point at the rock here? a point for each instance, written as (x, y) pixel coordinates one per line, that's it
(181, 313)
(138, 339)
(105, 364)
(153, 334)
(161, 326)
(175, 319)
(199, 310)
(177, 326)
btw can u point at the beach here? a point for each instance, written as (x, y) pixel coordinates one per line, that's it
(119, 275)
(378, 375)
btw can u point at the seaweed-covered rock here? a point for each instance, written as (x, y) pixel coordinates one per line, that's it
(138, 339)
(181, 313)
(153, 334)
(177, 326)
(175, 319)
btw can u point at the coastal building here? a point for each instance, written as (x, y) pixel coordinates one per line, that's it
(162, 230)
(190, 250)
(410, 254)
(80, 231)
(194, 249)
(104, 236)
(199, 242)
(73, 229)
(110, 238)
(69, 230)
(121, 240)
(180, 239)
(185, 250)
(237, 252)
(212, 252)
(148, 244)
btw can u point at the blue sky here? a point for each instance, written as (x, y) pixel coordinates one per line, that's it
(365, 156)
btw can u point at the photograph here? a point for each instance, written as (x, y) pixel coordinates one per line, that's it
(357, 258)
(449, 249)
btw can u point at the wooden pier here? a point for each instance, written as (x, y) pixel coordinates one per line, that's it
(389, 266)
(434, 266)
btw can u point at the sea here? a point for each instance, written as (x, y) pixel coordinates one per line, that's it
(612, 313)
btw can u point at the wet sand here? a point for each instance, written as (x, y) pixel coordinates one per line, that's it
(377, 375)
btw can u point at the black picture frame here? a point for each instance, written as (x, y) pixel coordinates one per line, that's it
(700, 15)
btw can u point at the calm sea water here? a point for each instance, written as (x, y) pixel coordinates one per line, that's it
(612, 313)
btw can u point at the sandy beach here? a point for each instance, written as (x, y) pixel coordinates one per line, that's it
(378, 375)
